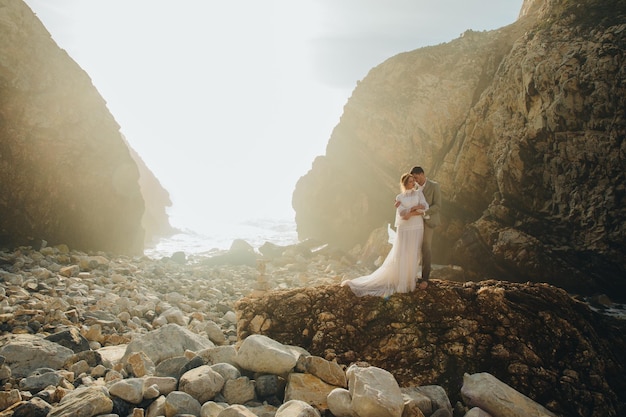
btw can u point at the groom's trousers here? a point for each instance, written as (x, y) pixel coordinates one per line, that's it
(427, 244)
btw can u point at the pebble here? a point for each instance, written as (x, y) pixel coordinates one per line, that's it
(91, 334)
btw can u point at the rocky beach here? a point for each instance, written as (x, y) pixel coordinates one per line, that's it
(522, 126)
(92, 334)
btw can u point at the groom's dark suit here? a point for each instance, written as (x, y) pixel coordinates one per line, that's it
(432, 193)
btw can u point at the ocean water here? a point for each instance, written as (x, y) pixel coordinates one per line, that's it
(208, 240)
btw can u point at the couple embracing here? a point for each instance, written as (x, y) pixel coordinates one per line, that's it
(417, 215)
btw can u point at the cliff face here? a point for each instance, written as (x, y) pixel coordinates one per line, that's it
(66, 174)
(523, 127)
(155, 220)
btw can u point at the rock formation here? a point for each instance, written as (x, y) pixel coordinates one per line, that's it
(524, 129)
(155, 220)
(80, 331)
(66, 174)
(533, 337)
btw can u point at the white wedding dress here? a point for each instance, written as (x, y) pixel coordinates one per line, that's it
(399, 270)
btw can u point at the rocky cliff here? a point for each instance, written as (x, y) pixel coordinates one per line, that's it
(533, 337)
(155, 220)
(66, 174)
(523, 127)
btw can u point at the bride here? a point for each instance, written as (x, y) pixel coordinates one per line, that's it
(399, 270)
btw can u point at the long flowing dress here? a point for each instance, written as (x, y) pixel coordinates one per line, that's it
(399, 270)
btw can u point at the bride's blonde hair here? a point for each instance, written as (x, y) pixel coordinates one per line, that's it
(404, 179)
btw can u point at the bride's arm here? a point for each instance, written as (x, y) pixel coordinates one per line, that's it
(402, 210)
(421, 206)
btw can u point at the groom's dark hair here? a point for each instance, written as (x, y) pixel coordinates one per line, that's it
(417, 170)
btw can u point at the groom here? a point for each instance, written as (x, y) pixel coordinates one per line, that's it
(432, 192)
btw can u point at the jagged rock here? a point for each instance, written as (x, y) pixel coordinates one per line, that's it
(83, 402)
(71, 339)
(239, 390)
(211, 408)
(164, 384)
(26, 353)
(522, 127)
(129, 389)
(296, 408)
(477, 412)
(259, 353)
(415, 403)
(139, 364)
(220, 354)
(40, 379)
(36, 407)
(534, 337)
(430, 398)
(491, 395)
(309, 389)
(226, 370)
(9, 397)
(269, 385)
(179, 339)
(236, 411)
(328, 371)
(69, 131)
(178, 402)
(202, 383)
(171, 367)
(157, 408)
(543, 342)
(234, 256)
(113, 199)
(155, 220)
(374, 392)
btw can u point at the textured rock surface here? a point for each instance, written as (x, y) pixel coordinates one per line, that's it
(533, 337)
(524, 129)
(155, 220)
(66, 173)
(112, 314)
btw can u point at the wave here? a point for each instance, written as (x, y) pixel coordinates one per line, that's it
(209, 239)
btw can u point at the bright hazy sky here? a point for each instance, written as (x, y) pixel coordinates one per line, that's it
(229, 102)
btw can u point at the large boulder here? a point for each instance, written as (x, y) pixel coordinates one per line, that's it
(533, 337)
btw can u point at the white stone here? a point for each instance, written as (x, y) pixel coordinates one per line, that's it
(178, 402)
(94, 399)
(259, 353)
(340, 403)
(151, 391)
(231, 317)
(487, 392)
(130, 390)
(156, 408)
(238, 391)
(226, 370)
(26, 353)
(202, 383)
(477, 412)
(296, 408)
(375, 392)
(178, 338)
(211, 409)
(236, 411)
(327, 371)
(165, 384)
